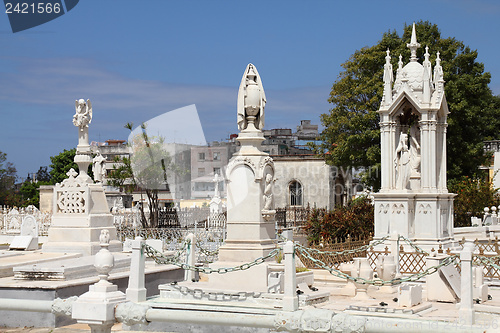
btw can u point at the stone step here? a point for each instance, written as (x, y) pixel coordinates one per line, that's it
(68, 269)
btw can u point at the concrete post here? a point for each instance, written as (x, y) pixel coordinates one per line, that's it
(287, 234)
(189, 275)
(466, 310)
(394, 241)
(290, 299)
(136, 291)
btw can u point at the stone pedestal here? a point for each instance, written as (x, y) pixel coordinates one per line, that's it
(250, 228)
(426, 218)
(80, 214)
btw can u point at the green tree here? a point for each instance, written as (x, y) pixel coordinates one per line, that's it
(61, 164)
(30, 189)
(145, 171)
(30, 193)
(356, 220)
(43, 175)
(473, 194)
(352, 138)
(7, 181)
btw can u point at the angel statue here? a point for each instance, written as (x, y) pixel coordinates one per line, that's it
(251, 101)
(83, 115)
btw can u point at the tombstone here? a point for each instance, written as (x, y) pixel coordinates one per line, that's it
(28, 240)
(414, 200)
(250, 217)
(13, 221)
(80, 209)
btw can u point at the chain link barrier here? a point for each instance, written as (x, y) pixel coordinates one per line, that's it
(488, 261)
(160, 259)
(215, 296)
(339, 253)
(377, 282)
(205, 251)
(414, 246)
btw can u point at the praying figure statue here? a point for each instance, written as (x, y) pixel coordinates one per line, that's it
(402, 163)
(415, 150)
(268, 192)
(99, 167)
(251, 101)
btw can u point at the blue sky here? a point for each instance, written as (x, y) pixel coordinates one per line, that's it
(138, 59)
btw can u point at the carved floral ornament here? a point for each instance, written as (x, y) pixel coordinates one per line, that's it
(71, 194)
(257, 171)
(318, 320)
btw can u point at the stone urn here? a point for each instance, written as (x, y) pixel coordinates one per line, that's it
(362, 269)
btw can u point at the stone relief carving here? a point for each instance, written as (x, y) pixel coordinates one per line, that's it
(241, 160)
(251, 100)
(63, 307)
(424, 209)
(383, 208)
(318, 320)
(131, 314)
(398, 209)
(71, 194)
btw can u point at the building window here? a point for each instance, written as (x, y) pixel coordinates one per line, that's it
(217, 171)
(201, 156)
(295, 189)
(216, 156)
(201, 172)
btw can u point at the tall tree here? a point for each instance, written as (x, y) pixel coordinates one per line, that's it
(352, 138)
(7, 181)
(61, 164)
(145, 171)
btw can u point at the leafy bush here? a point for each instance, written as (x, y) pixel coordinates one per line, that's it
(355, 220)
(473, 194)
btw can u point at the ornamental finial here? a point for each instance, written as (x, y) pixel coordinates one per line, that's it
(413, 45)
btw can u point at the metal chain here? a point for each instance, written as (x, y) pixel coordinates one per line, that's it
(487, 261)
(160, 259)
(199, 293)
(378, 282)
(337, 253)
(205, 251)
(415, 247)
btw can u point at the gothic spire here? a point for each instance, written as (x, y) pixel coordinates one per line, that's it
(413, 45)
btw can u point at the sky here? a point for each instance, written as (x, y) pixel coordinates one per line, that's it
(137, 59)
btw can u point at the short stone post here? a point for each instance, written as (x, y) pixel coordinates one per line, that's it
(466, 310)
(136, 291)
(487, 216)
(189, 274)
(290, 299)
(287, 234)
(97, 306)
(394, 241)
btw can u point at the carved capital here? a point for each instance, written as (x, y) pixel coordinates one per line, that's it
(131, 313)
(63, 307)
